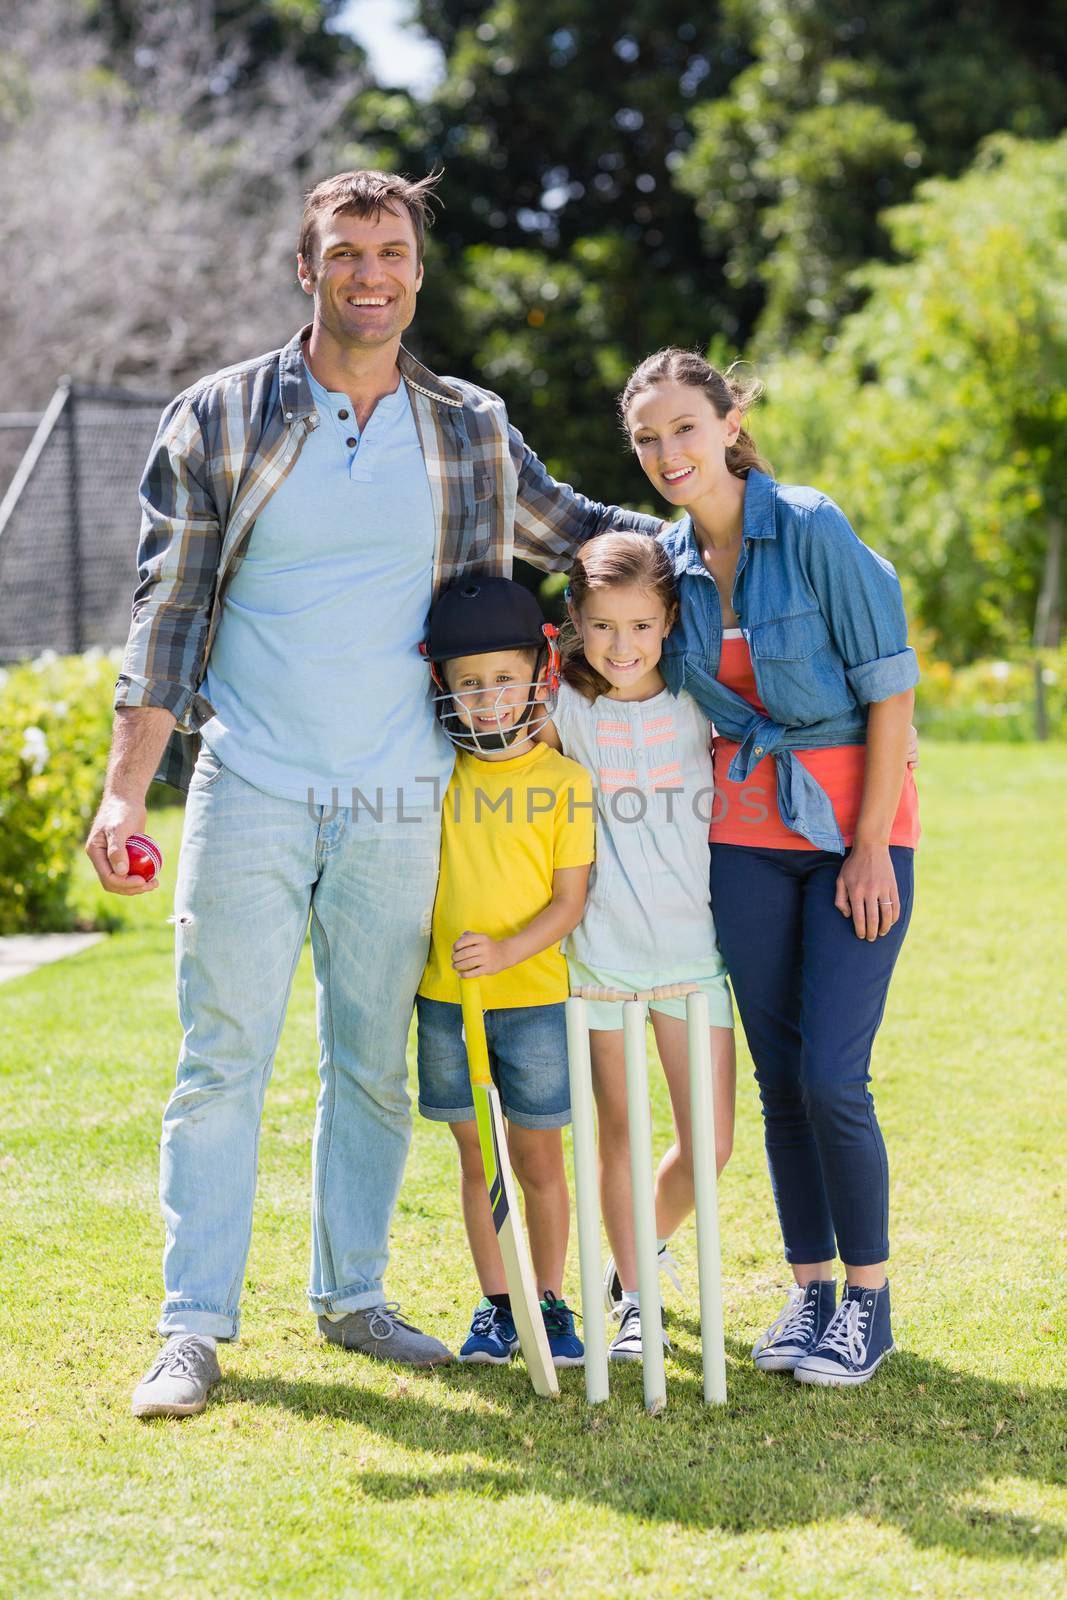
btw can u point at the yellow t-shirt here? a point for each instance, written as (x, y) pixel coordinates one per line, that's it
(507, 827)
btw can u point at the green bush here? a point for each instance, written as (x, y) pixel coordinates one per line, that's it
(994, 700)
(55, 714)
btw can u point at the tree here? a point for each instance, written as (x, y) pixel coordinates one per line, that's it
(844, 107)
(148, 226)
(242, 38)
(940, 421)
(558, 127)
(568, 130)
(536, 329)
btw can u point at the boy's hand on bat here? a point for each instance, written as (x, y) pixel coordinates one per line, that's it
(476, 955)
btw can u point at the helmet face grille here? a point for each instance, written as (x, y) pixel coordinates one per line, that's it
(485, 721)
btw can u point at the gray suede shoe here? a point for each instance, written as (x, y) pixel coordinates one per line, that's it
(381, 1331)
(179, 1380)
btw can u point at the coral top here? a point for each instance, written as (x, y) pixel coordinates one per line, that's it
(747, 813)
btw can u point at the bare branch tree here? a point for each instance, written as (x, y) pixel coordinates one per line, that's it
(147, 227)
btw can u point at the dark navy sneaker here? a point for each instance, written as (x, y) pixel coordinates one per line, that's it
(856, 1342)
(566, 1347)
(795, 1333)
(492, 1337)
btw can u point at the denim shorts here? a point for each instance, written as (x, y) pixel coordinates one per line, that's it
(527, 1057)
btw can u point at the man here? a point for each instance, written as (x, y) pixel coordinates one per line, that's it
(300, 511)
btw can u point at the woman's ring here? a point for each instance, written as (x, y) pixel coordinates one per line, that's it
(887, 902)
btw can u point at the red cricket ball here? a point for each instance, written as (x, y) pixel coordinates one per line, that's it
(144, 856)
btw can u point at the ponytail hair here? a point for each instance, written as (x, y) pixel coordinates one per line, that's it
(725, 390)
(612, 561)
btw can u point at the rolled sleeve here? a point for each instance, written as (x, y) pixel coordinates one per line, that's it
(860, 597)
(881, 679)
(133, 692)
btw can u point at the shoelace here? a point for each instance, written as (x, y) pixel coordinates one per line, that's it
(183, 1358)
(669, 1266)
(556, 1315)
(843, 1335)
(630, 1325)
(485, 1318)
(627, 1315)
(384, 1320)
(797, 1321)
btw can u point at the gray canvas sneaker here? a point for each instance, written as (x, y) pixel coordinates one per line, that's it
(179, 1380)
(381, 1331)
(626, 1345)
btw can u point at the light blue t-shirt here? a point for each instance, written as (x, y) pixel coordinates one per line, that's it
(315, 673)
(649, 907)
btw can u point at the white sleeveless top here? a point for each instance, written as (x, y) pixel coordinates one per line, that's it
(650, 760)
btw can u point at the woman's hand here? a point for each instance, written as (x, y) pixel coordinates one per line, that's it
(867, 890)
(476, 955)
(867, 885)
(913, 746)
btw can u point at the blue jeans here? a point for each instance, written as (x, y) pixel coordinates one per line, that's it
(811, 997)
(252, 869)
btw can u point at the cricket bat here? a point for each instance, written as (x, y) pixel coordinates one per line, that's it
(499, 1180)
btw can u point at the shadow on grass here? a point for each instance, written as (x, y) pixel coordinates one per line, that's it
(921, 1448)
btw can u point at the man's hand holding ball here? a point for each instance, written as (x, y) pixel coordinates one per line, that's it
(127, 861)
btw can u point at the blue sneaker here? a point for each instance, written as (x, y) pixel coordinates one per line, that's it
(566, 1347)
(856, 1342)
(795, 1333)
(492, 1337)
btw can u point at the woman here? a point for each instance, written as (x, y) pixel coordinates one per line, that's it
(792, 637)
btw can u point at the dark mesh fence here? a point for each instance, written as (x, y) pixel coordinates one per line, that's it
(69, 521)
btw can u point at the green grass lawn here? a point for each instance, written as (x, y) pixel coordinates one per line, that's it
(316, 1472)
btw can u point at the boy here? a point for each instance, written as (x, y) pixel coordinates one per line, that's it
(516, 849)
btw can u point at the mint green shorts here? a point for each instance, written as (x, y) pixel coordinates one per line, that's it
(709, 975)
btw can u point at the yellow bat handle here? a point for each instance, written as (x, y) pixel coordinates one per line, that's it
(470, 994)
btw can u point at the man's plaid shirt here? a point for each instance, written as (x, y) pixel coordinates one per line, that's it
(224, 446)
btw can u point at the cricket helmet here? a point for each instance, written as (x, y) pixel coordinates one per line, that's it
(479, 616)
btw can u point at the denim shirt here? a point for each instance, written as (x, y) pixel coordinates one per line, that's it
(824, 619)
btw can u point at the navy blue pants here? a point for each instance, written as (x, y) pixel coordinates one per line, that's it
(811, 997)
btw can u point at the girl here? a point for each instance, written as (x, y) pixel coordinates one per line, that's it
(791, 636)
(648, 918)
